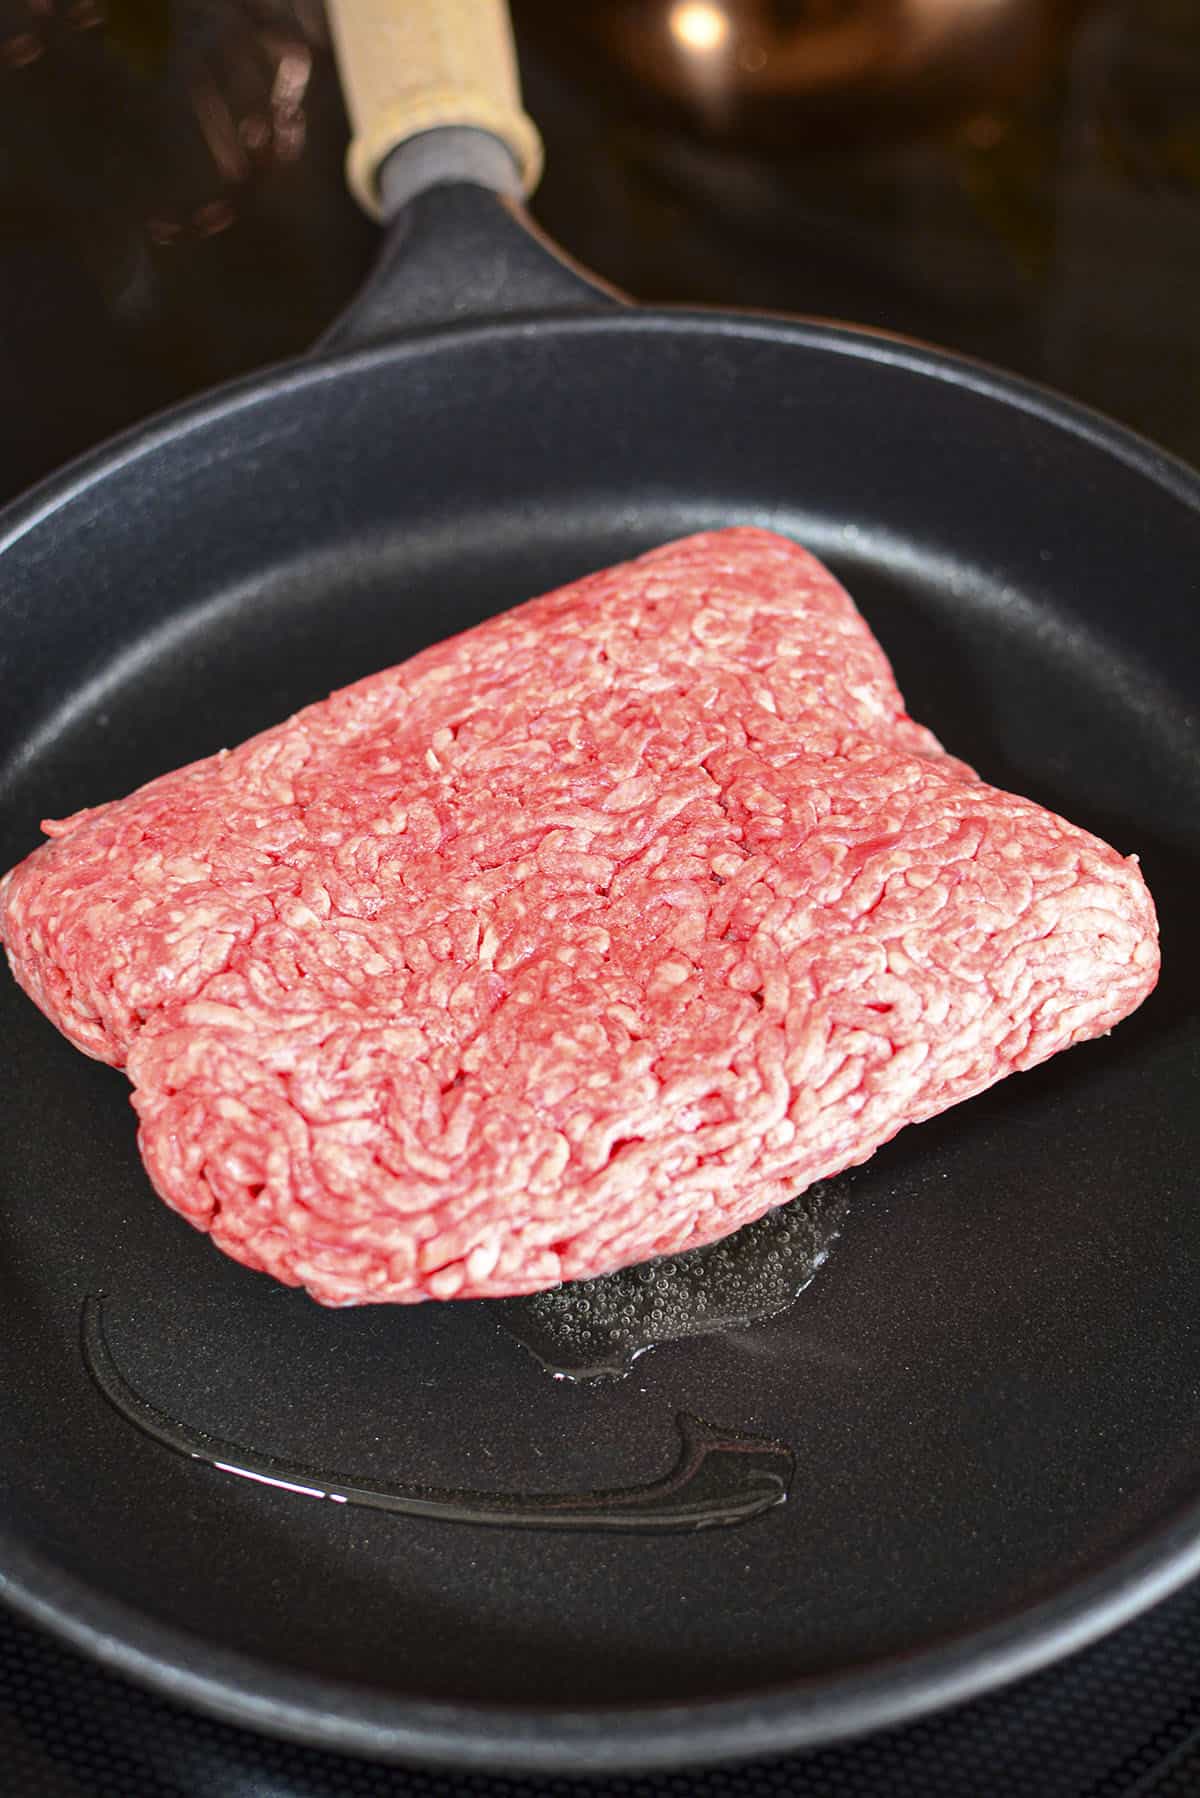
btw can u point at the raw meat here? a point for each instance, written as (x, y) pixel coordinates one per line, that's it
(584, 937)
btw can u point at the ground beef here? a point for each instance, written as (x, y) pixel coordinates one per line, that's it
(584, 937)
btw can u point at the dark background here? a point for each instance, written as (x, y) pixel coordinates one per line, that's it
(1018, 179)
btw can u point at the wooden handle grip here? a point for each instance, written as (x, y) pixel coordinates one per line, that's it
(410, 66)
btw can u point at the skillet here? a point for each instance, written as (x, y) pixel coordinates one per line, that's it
(390, 1530)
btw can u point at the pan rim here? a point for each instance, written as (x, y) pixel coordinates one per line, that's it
(805, 1714)
(252, 1693)
(867, 344)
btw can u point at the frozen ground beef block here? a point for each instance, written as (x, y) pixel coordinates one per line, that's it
(584, 937)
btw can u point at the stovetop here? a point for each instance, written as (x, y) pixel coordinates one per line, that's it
(172, 213)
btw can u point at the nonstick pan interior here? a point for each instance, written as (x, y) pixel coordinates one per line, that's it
(989, 1395)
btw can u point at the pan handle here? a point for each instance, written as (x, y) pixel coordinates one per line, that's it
(409, 67)
(443, 152)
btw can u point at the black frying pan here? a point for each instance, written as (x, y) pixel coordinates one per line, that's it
(390, 1530)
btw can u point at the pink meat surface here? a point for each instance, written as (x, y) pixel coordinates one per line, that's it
(584, 937)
